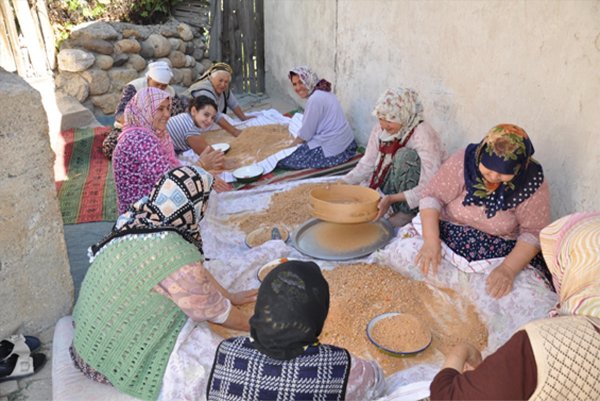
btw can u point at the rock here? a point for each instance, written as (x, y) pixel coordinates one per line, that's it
(120, 59)
(95, 30)
(177, 44)
(177, 76)
(97, 45)
(168, 30)
(73, 85)
(199, 44)
(121, 77)
(189, 61)
(136, 62)
(186, 76)
(74, 60)
(206, 63)
(161, 45)
(198, 54)
(139, 32)
(104, 62)
(189, 47)
(185, 32)
(128, 46)
(98, 81)
(147, 50)
(107, 103)
(199, 69)
(177, 59)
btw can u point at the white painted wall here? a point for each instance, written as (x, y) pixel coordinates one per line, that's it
(474, 63)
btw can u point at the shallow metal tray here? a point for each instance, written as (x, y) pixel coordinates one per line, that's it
(304, 241)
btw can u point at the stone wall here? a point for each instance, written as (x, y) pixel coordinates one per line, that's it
(475, 64)
(100, 58)
(36, 286)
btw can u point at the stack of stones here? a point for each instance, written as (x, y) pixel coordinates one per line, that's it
(100, 58)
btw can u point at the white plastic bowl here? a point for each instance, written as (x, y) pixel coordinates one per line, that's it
(223, 147)
(248, 173)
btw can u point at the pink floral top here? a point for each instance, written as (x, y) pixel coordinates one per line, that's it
(446, 192)
(139, 160)
(425, 141)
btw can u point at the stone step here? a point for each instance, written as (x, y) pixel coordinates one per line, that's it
(74, 114)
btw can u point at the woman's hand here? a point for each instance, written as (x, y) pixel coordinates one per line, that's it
(463, 356)
(429, 256)
(246, 118)
(243, 297)
(211, 159)
(220, 185)
(383, 206)
(500, 281)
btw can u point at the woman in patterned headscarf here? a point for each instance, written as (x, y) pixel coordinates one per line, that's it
(214, 83)
(402, 154)
(283, 358)
(145, 280)
(325, 137)
(488, 202)
(549, 359)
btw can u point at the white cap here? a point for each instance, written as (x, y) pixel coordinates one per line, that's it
(160, 72)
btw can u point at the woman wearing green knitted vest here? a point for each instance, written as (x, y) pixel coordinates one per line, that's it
(145, 280)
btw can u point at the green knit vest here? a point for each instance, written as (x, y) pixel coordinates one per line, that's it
(123, 329)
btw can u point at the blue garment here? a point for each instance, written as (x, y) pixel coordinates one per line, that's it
(304, 157)
(241, 372)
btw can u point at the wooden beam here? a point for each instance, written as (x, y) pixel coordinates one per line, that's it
(13, 36)
(37, 53)
(47, 34)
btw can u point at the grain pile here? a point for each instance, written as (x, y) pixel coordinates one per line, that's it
(289, 209)
(360, 292)
(341, 238)
(253, 145)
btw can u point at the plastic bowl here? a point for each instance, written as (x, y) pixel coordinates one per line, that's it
(344, 203)
(223, 147)
(266, 268)
(387, 350)
(248, 173)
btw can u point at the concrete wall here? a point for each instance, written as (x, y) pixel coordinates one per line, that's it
(35, 283)
(474, 63)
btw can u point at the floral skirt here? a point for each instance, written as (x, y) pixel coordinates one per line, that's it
(303, 157)
(473, 244)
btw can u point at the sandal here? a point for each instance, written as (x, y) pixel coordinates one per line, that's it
(18, 344)
(19, 366)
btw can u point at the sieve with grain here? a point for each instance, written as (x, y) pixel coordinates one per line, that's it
(345, 204)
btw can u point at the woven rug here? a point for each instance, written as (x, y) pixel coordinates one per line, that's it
(87, 192)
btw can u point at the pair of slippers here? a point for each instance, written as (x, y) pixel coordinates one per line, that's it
(18, 358)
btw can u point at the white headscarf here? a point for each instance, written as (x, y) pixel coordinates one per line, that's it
(399, 105)
(160, 72)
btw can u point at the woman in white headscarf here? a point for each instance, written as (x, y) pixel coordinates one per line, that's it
(402, 154)
(548, 359)
(325, 137)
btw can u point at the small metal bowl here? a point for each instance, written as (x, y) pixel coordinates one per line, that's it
(392, 352)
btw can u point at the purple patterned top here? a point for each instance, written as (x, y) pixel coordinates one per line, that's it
(139, 160)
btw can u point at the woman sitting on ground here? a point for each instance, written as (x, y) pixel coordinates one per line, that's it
(402, 155)
(325, 137)
(186, 130)
(214, 83)
(550, 359)
(158, 76)
(486, 202)
(283, 358)
(146, 278)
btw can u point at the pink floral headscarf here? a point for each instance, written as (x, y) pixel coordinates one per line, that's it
(310, 79)
(141, 109)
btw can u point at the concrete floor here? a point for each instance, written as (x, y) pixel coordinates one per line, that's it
(78, 238)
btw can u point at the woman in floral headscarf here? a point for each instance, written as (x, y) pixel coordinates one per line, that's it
(145, 280)
(549, 359)
(145, 150)
(488, 202)
(325, 137)
(402, 154)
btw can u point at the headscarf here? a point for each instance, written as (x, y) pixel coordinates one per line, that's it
(571, 248)
(176, 203)
(139, 114)
(216, 67)
(310, 79)
(160, 72)
(291, 308)
(506, 149)
(402, 106)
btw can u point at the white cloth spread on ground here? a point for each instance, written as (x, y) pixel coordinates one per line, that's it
(263, 117)
(235, 267)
